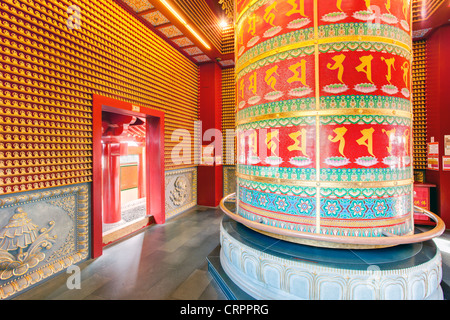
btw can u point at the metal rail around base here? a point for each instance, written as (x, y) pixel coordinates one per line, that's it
(386, 241)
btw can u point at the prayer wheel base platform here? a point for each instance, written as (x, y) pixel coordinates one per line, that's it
(318, 239)
(321, 244)
(253, 265)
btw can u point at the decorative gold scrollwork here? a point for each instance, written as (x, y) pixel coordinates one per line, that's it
(22, 244)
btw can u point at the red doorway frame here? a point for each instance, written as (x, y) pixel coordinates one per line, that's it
(154, 165)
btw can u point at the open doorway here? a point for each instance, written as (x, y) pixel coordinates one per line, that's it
(124, 208)
(128, 176)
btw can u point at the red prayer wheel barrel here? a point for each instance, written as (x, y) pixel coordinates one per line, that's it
(324, 119)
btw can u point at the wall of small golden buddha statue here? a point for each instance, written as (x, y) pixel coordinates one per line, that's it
(419, 70)
(54, 56)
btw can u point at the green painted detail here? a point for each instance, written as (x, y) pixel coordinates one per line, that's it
(326, 192)
(283, 122)
(302, 174)
(302, 104)
(365, 46)
(364, 102)
(365, 175)
(274, 188)
(331, 102)
(365, 192)
(274, 43)
(364, 119)
(363, 29)
(326, 31)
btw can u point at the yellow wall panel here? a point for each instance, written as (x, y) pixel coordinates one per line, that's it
(420, 104)
(228, 113)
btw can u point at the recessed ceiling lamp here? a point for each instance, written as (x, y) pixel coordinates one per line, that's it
(180, 18)
(223, 24)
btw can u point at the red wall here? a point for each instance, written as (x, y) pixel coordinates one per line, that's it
(438, 111)
(209, 186)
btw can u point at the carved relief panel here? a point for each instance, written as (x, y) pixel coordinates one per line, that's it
(41, 234)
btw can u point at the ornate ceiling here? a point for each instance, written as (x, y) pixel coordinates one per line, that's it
(429, 15)
(228, 7)
(203, 18)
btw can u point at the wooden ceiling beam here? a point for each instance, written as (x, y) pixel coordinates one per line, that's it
(179, 37)
(165, 25)
(146, 11)
(191, 46)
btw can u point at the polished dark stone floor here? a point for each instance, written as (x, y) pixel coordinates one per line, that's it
(164, 262)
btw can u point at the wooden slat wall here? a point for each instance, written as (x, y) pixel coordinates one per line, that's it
(49, 73)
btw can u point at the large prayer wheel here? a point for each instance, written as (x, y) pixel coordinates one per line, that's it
(324, 122)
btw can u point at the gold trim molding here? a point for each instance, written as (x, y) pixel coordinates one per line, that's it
(333, 112)
(321, 41)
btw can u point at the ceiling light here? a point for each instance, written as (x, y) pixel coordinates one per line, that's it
(223, 24)
(180, 18)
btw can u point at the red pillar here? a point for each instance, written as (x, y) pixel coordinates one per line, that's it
(141, 175)
(210, 186)
(154, 161)
(438, 114)
(111, 183)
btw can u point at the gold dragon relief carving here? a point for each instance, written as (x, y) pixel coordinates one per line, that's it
(23, 244)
